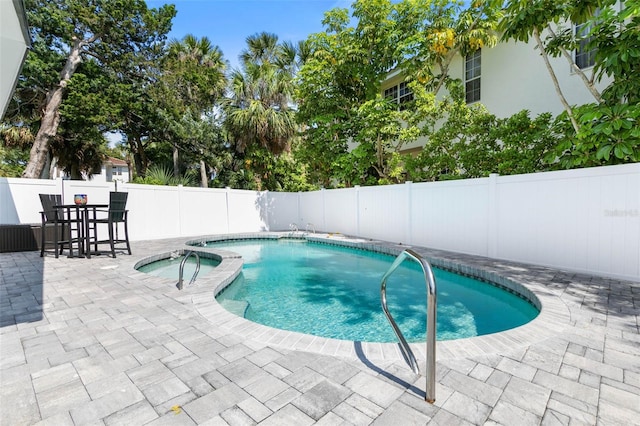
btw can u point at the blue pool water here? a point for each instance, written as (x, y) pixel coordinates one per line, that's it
(334, 292)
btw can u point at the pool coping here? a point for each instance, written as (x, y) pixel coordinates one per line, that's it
(530, 280)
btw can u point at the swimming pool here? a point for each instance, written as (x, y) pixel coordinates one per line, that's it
(334, 292)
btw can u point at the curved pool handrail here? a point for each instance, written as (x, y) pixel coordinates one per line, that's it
(181, 271)
(430, 393)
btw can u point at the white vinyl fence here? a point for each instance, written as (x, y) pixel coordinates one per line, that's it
(585, 220)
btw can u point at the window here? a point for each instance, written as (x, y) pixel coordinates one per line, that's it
(584, 56)
(401, 94)
(472, 76)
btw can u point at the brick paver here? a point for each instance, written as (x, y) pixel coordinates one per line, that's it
(96, 342)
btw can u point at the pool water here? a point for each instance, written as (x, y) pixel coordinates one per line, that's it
(170, 267)
(334, 292)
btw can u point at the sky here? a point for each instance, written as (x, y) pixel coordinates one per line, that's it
(228, 23)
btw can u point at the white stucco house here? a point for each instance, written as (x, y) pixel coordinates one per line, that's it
(14, 44)
(113, 169)
(511, 77)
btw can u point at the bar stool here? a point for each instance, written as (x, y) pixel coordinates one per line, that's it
(115, 215)
(52, 218)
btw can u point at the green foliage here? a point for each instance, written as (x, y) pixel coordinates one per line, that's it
(73, 36)
(340, 84)
(468, 142)
(616, 36)
(605, 132)
(14, 149)
(525, 143)
(259, 119)
(162, 175)
(523, 17)
(265, 171)
(12, 161)
(156, 175)
(259, 110)
(86, 114)
(430, 33)
(608, 135)
(343, 72)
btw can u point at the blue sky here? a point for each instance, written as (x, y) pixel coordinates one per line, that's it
(227, 23)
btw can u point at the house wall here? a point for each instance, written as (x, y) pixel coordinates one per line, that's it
(108, 174)
(514, 77)
(585, 220)
(14, 42)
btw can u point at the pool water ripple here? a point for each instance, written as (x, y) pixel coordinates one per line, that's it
(334, 292)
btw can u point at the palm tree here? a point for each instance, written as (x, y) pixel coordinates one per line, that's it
(199, 67)
(259, 110)
(195, 73)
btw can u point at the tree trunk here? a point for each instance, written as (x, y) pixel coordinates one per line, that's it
(203, 174)
(176, 167)
(139, 156)
(587, 82)
(556, 84)
(75, 173)
(51, 116)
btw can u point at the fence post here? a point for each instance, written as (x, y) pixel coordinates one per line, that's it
(492, 225)
(409, 225)
(300, 219)
(357, 209)
(60, 187)
(324, 214)
(180, 189)
(226, 198)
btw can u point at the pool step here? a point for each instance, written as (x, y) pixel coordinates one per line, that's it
(237, 307)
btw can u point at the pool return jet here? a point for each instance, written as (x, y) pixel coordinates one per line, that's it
(430, 392)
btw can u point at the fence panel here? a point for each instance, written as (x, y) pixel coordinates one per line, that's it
(586, 220)
(282, 210)
(154, 211)
(340, 211)
(97, 192)
(19, 200)
(451, 215)
(312, 210)
(202, 211)
(246, 212)
(383, 211)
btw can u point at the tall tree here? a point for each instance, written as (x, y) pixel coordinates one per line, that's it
(606, 130)
(259, 112)
(86, 113)
(104, 30)
(431, 33)
(192, 83)
(340, 84)
(525, 19)
(344, 70)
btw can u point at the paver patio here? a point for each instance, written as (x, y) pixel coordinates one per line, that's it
(96, 342)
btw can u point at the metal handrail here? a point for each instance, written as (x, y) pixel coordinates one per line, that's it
(182, 262)
(430, 394)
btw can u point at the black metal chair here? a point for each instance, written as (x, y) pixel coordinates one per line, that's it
(52, 223)
(116, 214)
